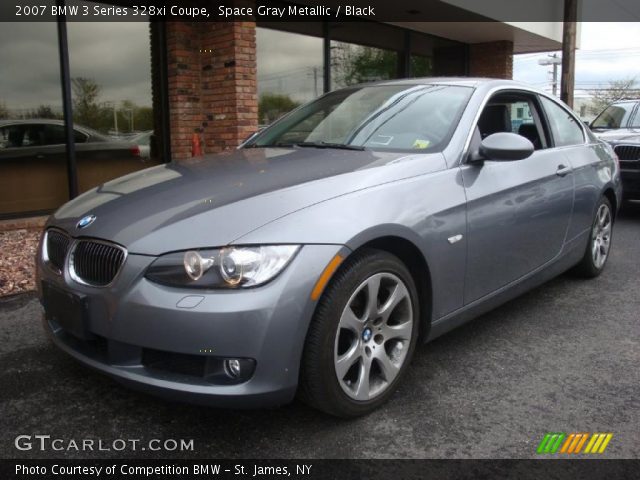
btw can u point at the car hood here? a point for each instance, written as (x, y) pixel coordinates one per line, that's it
(212, 200)
(615, 136)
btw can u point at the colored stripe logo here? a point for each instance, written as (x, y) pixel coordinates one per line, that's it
(573, 443)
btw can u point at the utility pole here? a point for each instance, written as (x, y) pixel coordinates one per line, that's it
(554, 61)
(569, 51)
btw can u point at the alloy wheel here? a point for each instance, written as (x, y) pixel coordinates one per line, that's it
(373, 336)
(601, 236)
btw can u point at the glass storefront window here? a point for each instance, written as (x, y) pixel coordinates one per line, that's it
(290, 72)
(110, 69)
(421, 66)
(352, 64)
(33, 171)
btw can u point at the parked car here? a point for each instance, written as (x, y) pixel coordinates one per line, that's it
(33, 163)
(619, 125)
(316, 256)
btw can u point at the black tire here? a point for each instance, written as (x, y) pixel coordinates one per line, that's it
(588, 268)
(319, 386)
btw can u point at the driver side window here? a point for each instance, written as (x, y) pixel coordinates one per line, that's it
(514, 113)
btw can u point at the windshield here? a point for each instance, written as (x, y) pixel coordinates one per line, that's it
(381, 117)
(614, 116)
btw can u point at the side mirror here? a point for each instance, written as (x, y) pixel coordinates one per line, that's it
(505, 146)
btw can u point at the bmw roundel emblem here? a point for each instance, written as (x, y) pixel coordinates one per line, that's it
(86, 221)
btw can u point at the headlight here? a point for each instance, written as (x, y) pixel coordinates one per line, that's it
(230, 267)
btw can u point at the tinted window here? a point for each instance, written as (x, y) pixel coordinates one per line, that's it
(387, 117)
(565, 129)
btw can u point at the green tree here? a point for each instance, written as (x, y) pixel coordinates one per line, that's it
(86, 109)
(143, 118)
(272, 106)
(357, 64)
(45, 111)
(624, 89)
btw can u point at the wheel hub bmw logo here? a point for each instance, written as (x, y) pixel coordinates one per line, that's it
(86, 221)
(366, 334)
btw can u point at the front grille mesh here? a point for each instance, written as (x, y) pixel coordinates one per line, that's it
(96, 263)
(628, 152)
(57, 248)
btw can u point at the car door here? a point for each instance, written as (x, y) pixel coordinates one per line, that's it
(518, 212)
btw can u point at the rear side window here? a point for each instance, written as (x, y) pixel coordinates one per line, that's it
(565, 128)
(55, 135)
(635, 121)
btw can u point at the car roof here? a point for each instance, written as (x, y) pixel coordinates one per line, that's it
(626, 101)
(460, 81)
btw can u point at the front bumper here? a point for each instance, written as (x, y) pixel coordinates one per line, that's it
(134, 320)
(630, 183)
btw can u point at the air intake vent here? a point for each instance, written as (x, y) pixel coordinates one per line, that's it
(57, 246)
(96, 263)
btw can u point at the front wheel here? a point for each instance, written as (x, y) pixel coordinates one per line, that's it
(362, 336)
(599, 246)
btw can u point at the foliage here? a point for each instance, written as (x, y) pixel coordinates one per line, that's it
(90, 111)
(625, 89)
(86, 109)
(4, 112)
(357, 64)
(45, 111)
(272, 106)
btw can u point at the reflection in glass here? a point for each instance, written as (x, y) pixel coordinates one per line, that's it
(352, 64)
(33, 175)
(421, 66)
(110, 68)
(290, 72)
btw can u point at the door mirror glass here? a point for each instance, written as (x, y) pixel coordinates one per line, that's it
(505, 146)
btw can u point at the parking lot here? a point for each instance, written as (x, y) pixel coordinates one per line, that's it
(562, 358)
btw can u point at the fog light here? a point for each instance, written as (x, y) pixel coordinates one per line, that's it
(232, 367)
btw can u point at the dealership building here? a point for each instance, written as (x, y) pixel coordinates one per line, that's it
(219, 81)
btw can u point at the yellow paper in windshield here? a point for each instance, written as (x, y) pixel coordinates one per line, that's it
(421, 143)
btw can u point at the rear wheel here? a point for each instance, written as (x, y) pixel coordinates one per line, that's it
(362, 337)
(599, 246)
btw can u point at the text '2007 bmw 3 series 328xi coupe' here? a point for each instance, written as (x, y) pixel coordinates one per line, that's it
(312, 259)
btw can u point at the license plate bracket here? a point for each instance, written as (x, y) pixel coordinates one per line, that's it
(69, 310)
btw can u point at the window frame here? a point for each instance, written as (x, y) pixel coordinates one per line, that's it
(635, 116)
(466, 150)
(535, 108)
(571, 114)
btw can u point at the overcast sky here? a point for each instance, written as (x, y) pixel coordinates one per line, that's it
(115, 55)
(608, 51)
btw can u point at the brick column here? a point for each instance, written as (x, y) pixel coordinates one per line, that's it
(212, 84)
(492, 59)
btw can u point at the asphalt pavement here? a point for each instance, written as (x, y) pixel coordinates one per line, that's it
(563, 358)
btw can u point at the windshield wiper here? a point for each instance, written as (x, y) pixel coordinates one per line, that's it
(341, 146)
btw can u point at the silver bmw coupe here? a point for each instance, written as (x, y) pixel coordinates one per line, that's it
(313, 259)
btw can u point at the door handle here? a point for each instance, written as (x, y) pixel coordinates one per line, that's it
(563, 170)
(40, 156)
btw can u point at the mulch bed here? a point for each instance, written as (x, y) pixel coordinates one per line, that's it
(17, 260)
